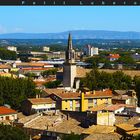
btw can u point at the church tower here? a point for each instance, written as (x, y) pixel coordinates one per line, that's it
(69, 67)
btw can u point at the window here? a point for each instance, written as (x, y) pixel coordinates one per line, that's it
(90, 101)
(95, 101)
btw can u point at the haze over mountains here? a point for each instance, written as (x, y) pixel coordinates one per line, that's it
(76, 34)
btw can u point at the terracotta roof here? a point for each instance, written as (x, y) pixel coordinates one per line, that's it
(53, 90)
(114, 107)
(41, 100)
(72, 95)
(99, 129)
(114, 56)
(2, 66)
(110, 107)
(30, 64)
(120, 91)
(135, 132)
(40, 68)
(4, 110)
(126, 127)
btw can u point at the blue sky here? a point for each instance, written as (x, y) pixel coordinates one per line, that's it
(47, 19)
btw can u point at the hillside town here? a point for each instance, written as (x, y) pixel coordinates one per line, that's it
(72, 97)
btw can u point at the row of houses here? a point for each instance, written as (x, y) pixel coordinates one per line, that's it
(103, 105)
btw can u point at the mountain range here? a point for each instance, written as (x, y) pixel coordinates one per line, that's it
(76, 34)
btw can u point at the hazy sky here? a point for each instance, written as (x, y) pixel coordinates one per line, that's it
(47, 19)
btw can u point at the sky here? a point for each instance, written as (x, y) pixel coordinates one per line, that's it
(52, 19)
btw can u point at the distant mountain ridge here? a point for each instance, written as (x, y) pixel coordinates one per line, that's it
(76, 34)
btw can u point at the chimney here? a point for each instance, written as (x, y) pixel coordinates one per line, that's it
(93, 92)
(36, 96)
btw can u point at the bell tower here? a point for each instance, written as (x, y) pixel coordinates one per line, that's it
(69, 67)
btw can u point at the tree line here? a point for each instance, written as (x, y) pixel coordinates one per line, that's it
(7, 55)
(96, 80)
(8, 132)
(14, 91)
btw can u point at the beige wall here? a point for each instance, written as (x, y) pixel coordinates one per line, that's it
(45, 106)
(11, 117)
(105, 118)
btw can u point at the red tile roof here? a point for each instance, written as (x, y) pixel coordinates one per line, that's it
(73, 95)
(4, 110)
(3, 66)
(114, 56)
(40, 68)
(114, 107)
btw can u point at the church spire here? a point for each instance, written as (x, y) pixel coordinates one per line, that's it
(69, 42)
(70, 53)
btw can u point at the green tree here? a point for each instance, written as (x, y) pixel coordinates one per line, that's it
(91, 79)
(96, 60)
(107, 65)
(121, 80)
(52, 84)
(14, 91)
(8, 132)
(95, 80)
(126, 59)
(46, 73)
(136, 137)
(137, 88)
(7, 55)
(30, 75)
(45, 57)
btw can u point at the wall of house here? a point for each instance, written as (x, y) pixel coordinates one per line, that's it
(105, 118)
(10, 117)
(85, 104)
(119, 110)
(103, 100)
(131, 101)
(43, 106)
(4, 70)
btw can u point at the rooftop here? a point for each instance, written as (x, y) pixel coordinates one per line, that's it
(55, 123)
(35, 69)
(99, 129)
(41, 100)
(2, 66)
(5, 110)
(114, 107)
(126, 127)
(114, 56)
(75, 95)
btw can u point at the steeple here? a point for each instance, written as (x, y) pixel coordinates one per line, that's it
(69, 42)
(70, 53)
(69, 67)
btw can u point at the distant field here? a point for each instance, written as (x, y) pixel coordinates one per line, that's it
(132, 73)
(81, 72)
